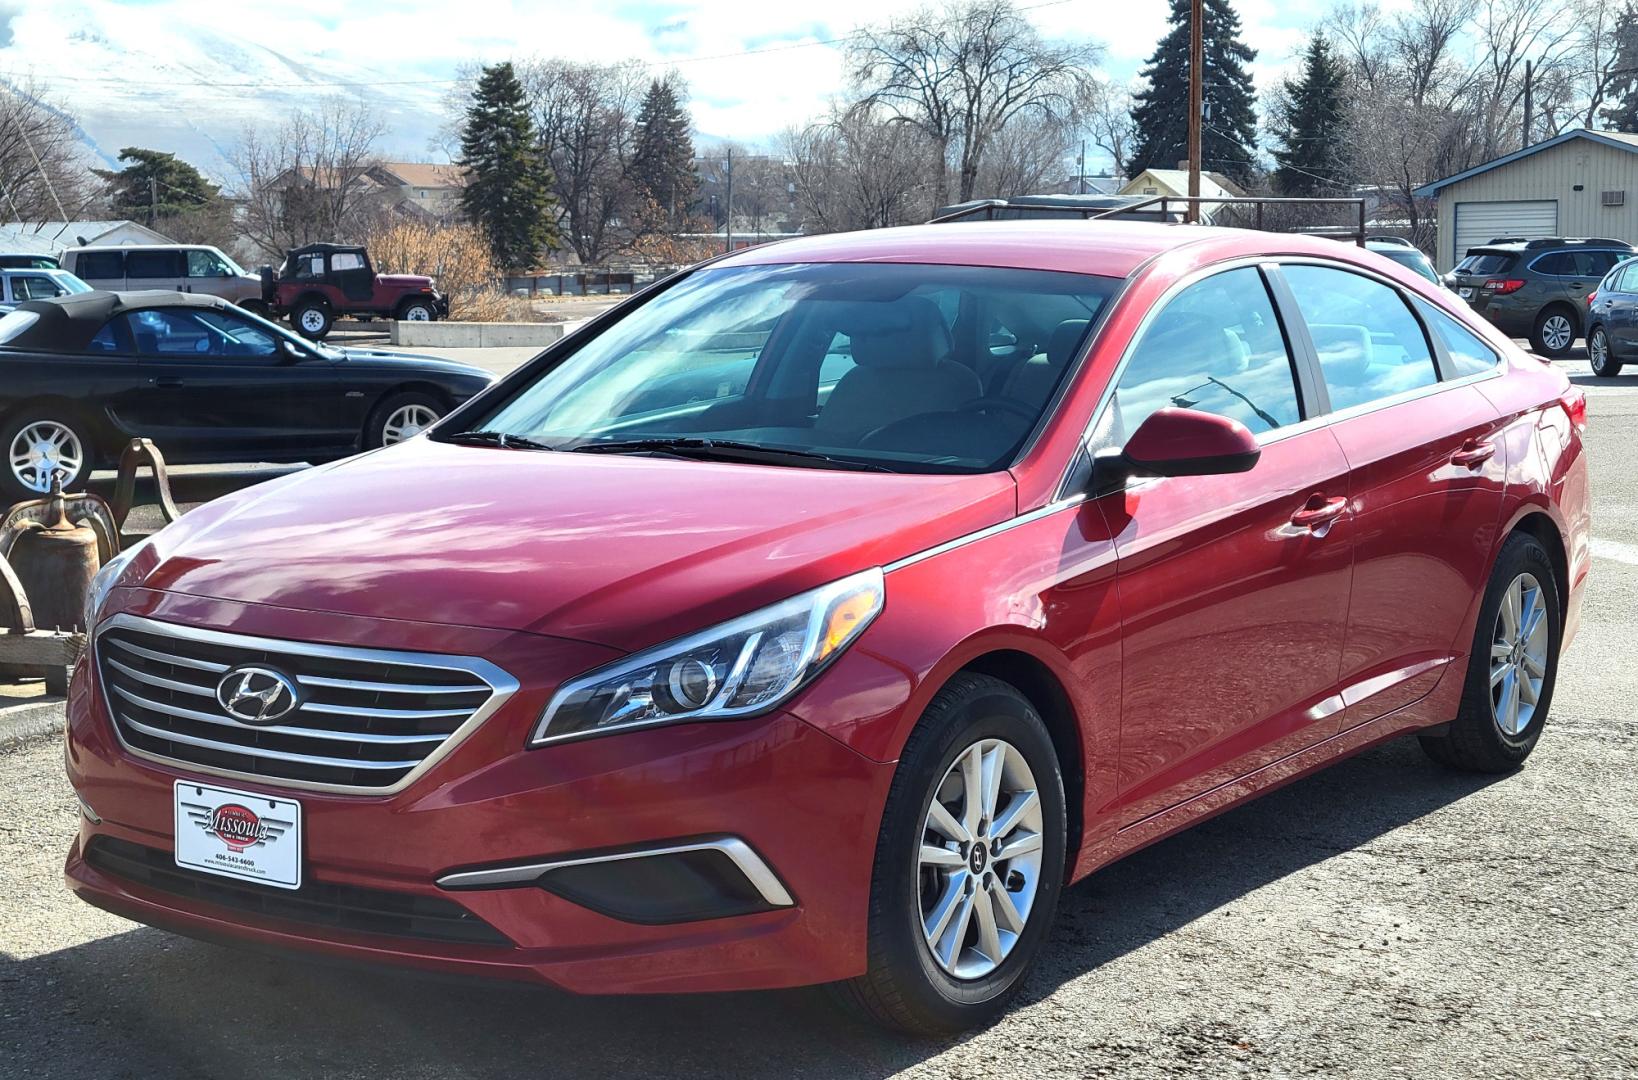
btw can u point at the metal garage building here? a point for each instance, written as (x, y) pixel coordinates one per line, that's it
(1580, 183)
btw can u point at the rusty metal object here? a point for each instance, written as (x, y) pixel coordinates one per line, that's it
(16, 617)
(55, 560)
(125, 487)
(91, 511)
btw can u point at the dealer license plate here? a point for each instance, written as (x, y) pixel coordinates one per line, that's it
(238, 834)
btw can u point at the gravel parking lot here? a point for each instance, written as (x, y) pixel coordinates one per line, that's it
(1384, 918)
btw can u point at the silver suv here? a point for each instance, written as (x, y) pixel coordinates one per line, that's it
(196, 268)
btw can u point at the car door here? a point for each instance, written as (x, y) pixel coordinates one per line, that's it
(207, 273)
(1234, 588)
(217, 386)
(1587, 269)
(1426, 479)
(151, 268)
(1619, 306)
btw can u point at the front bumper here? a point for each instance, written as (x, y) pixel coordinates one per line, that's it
(807, 806)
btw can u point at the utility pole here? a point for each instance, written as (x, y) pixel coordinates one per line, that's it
(1080, 172)
(728, 218)
(1197, 63)
(153, 200)
(1529, 99)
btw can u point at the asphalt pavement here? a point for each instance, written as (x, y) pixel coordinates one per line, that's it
(1384, 918)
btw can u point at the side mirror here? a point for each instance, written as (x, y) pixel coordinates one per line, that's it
(1177, 442)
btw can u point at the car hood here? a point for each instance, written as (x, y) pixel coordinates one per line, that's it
(388, 358)
(625, 551)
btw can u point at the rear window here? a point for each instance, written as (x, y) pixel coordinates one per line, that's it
(1489, 264)
(14, 324)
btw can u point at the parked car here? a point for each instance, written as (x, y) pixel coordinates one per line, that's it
(186, 268)
(319, 283)
(1537, 288)
(19, 285)
(1401, 252)
(1612, 326)
(784, 682)
(80, 376)
(15, 261)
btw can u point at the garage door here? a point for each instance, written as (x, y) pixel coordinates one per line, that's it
(1478, 223)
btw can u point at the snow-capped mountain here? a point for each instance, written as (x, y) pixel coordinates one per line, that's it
(136, 74)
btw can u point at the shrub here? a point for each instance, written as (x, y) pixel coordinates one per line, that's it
(458, 256)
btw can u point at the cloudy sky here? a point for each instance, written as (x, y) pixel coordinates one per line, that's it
(753, 67)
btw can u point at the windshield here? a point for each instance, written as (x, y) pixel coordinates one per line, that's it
(913, 368)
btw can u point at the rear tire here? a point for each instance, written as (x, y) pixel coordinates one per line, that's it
(1512, 668)
(312, 319)
(36, 443)
(1555, 331)
(907, 985)
(1604, 365)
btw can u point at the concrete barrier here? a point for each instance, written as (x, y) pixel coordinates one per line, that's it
(477, 335)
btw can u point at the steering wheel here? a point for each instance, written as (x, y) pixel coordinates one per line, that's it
(999, 404)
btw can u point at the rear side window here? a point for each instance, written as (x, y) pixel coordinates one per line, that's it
(100, 265)
(1369, 343)
(1558, 264)
(153, 264)
(1216, 347)
(1468, 355)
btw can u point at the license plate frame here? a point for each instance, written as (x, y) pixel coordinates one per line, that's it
(243, 835)
(1466, 292)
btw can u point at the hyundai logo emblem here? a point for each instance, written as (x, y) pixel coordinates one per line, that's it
(257, 695)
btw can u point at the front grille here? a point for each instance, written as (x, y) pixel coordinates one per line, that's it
(317, 903)
(366, 720)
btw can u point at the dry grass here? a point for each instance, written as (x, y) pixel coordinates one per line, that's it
(458, 256)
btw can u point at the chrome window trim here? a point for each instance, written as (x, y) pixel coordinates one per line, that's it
(502, 687)
(743, 856)
(985, 533)
(1531, 265)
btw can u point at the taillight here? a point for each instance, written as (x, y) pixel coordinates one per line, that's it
(1503, 286)
(1592, 296)
(1574, 402)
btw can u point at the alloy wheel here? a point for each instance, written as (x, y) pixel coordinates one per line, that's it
(406, 422)
(1557, 332)
(1518, 656)
(1598, 350)
(42, 450)
(979, 866)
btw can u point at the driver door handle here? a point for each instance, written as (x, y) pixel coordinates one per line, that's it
(1319, 512)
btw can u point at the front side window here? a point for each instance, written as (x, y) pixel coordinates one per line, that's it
(1369, 343)
(346, 260)
(1217, 347)
(201, 332)
(34, 287)
(1468, 355)
(206, 264)
(860, 364)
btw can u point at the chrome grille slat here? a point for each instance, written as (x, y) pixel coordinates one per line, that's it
(358, 706)
(256, 751)
(275, 729)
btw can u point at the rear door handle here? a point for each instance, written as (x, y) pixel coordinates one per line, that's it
(1319, 511)
(170, 382)
(1473, 453)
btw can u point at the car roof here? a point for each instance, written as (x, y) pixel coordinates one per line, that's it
(1105, 248)
(68, 323)
(137, 247)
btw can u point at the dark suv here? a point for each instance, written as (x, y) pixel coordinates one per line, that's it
(1537, 288)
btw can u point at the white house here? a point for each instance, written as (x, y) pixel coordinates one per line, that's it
(53, 237)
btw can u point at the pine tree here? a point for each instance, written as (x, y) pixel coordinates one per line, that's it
(1310, 163)
(509, 181)
(155, 185)
(1228, 135)
(1622, 113)
(663, 166)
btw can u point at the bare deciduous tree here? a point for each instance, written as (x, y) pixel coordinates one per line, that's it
(1106, 114)
(961, 73)
(308, 178)
(1023, 157)
(43, 165)
(860, 170)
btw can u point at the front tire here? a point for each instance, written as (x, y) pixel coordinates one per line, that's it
(38, 444)
(312, 320)
(418, 311)
(969, 863)
(402, 416)
(1554, 332)
(1604, 365)
(1512, 668)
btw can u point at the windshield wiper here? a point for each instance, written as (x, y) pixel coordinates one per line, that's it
(501, 439)
(727, 450)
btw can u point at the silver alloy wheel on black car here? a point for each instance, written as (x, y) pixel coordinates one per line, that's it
(980, 859)
(42, 449)
(407, 421)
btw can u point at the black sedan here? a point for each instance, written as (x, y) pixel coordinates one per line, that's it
(80, 376)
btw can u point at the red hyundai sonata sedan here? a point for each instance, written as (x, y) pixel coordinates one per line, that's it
(817, 616)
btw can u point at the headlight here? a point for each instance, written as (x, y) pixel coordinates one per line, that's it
(740, 668)
(104, 581)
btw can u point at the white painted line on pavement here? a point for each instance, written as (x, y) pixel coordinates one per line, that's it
(1615, 549)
